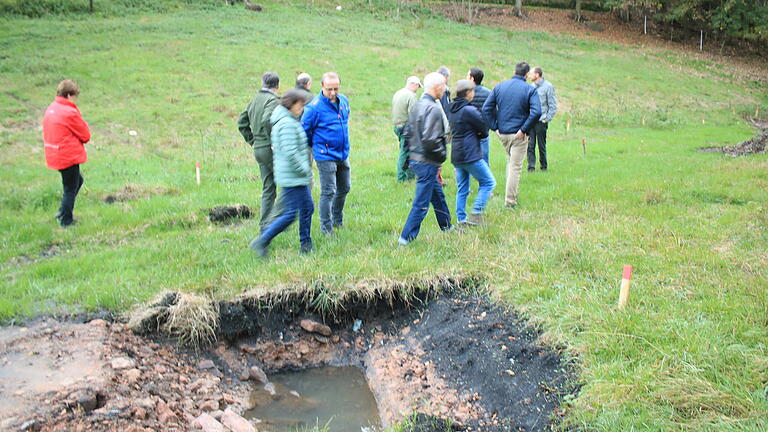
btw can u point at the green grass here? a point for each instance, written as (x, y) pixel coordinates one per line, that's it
(690, 351)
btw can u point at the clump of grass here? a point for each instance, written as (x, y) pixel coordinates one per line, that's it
(192, 320)
(417, 422)
(132, 192)
(654, 197)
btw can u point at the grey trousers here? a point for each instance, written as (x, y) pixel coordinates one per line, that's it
(335, 183)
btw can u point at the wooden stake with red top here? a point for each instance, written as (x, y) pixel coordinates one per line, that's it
(624, 293)
(197, 172)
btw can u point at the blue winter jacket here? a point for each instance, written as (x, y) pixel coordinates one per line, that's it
(512, 106)
(327, 127)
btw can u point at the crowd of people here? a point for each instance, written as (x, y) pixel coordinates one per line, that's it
(290, 133)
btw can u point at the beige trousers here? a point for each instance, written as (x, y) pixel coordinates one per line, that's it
(516, 151)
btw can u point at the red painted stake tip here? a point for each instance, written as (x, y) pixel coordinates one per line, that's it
(197, 164)
(627, 272)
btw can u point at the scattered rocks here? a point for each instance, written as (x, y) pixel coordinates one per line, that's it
(235, 422)
(120, 363)
(206, 364)
(207, 423)
(315, 327)
(253, 6)
(86, 400)
(254, 373)
(164, 413)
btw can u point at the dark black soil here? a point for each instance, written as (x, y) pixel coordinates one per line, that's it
(227, 214)
(755, 145)
(487, 350)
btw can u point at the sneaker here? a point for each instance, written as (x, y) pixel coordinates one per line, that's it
(531, 169)
(476, 219)
(449, 228)
(402, 242)
(510, 206)
(306, 248)
(465, 222)
(57, 215)
(258, 247)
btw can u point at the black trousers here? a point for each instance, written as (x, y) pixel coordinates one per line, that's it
(539, 136)
(72, 182)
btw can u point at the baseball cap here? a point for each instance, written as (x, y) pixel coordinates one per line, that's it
(413, 79)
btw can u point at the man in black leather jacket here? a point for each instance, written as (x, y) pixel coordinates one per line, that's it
(426, 141)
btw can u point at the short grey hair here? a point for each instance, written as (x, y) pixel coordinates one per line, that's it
(463, 87)
(329, 75)
(444, 71)
(270, 80)
(303, 79)
(433, 80)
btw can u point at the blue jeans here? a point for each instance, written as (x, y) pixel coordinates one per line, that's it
(335, 183)
(480, 171)
(295, 200)
(427, 190)
(485, 146)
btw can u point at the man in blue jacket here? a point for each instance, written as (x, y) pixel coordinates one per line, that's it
(326, 122)
(481, 95)
(512, 109)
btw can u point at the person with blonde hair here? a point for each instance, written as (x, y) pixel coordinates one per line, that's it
(64, 136)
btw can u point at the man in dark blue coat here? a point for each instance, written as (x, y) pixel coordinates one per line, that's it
(326, 122)
(476, 75)
(512, 109)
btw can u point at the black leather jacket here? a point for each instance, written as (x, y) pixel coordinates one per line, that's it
(425, 132)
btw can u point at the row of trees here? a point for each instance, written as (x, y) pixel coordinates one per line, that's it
(726, 20)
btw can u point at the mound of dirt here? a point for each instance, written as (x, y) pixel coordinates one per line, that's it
(751, 146)
(132, 192)
(227, 214)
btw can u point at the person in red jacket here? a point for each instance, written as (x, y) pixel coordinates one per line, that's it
(64, 135)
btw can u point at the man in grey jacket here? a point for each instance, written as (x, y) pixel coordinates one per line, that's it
(548, 110)
(426, 144)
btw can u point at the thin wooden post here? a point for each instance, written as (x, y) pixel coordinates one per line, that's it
(624, 292)
(197, 172)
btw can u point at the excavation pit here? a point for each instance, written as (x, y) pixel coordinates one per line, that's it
(439, 359)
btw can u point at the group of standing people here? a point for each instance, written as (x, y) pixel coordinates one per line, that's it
(519, 112)
(287, 133)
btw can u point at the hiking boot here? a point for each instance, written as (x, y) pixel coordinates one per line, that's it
(306, 248)
(258, 247)
(476, 219)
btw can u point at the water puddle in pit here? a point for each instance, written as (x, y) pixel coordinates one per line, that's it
(336, 396)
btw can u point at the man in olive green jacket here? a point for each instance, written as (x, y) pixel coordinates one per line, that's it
(254, 124)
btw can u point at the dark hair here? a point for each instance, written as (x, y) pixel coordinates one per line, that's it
(270, 80)
(477, 75)
(463, 93)
(537, 70)
(67, 88)
(522, 69)
(292, 96)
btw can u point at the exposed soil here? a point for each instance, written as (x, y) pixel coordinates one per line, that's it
(228, 214)
(450, 358)
(132, 192)
(754, 145)
(602, 26)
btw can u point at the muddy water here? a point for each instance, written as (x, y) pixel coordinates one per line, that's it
(337, 396)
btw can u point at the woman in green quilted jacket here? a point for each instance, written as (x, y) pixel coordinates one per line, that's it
(292, 171)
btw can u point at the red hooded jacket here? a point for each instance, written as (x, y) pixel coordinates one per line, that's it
(64, 133)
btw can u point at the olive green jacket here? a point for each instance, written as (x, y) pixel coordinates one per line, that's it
(254, 122)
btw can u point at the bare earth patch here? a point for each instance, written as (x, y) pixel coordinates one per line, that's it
(454, 358)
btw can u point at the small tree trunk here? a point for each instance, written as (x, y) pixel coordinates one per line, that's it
(90, 5)
(519, 8)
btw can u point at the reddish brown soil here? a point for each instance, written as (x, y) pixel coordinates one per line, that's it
(604, 26)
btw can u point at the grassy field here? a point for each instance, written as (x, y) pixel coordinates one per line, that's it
(690, 352)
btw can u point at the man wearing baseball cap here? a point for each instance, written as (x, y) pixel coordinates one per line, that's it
(402, 103)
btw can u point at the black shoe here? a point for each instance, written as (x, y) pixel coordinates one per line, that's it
(58, 215)
(531, 169)
(544, 169)
(306, 248)
(65, 224)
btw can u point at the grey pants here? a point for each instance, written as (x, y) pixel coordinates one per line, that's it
(335, 183)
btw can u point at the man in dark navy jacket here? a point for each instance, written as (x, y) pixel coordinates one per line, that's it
(326, 122)
(512, 109)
